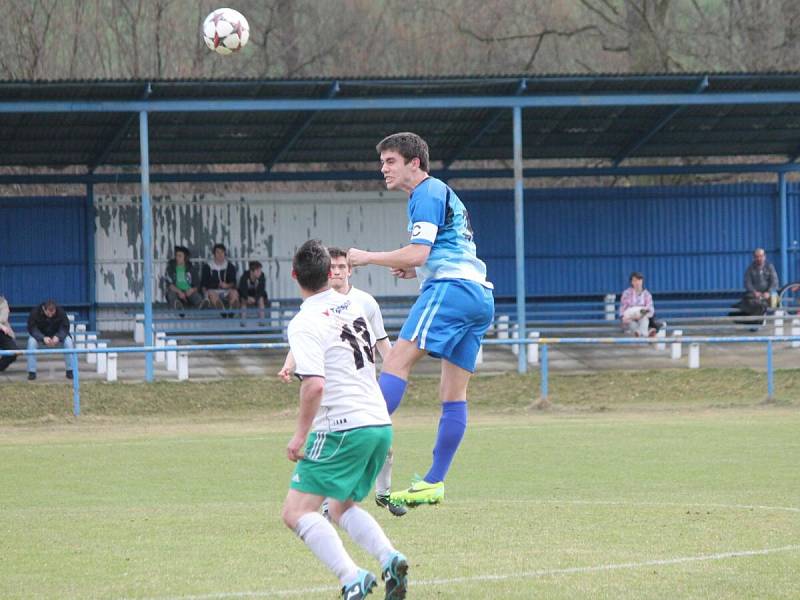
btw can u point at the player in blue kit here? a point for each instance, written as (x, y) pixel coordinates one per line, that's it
(454, 308)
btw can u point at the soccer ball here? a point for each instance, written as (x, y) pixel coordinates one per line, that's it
(225, 31)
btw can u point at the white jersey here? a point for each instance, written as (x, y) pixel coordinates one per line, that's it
(330, 338)
(371, 310)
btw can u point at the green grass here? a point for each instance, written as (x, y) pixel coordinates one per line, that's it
(581, 501)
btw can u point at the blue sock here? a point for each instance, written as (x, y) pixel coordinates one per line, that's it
(393, 389)
(452, 424)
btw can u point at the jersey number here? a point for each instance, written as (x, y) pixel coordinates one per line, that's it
(352, 338)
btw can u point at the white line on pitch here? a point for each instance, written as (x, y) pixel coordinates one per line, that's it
(501, 577)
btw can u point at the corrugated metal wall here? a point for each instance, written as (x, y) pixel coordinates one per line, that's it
(43, 250)
(267, 227)
(586, 241)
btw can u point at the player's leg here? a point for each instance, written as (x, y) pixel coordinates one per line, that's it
(396, 369)
(371, 445)
(383, 487)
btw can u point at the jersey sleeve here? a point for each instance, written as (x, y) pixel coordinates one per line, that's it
(307, 349)
(376, 320)
(426, 214)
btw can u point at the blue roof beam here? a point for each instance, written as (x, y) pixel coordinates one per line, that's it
(489, 123)
(630, 150)
(292, 139)
(103, 155)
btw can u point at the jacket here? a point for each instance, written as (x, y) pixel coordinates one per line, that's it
(4, 313)
(170, 277)
(41, 326)
(214, 274)
(259, 290)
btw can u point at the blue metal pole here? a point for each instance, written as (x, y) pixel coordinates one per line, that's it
(770, 372)
(91, 284)
(783, 221)
(543, 371)
(147, 244)
(76, 386)
(519, 239)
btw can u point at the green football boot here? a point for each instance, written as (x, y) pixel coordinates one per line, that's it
(420, 492)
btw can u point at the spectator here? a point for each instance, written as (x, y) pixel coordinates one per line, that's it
(48, 324)
(636, 309)
(761, 282)
(7, 338)
(181, 281)
(219, 280)
(253, 290)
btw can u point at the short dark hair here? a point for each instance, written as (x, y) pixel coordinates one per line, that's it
(253, 265)
(408, 145)
(312, 265)
(219, 247)
(49, 304)
(637, 275)
(337, 252)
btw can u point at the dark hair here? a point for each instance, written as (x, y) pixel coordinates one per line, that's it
(637, 275)
(49, 304)
(219, 247)
(337, 252)
(408, 145)
(312, 265)
(253, 265)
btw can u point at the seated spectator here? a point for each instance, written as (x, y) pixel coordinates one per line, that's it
(7, 337)
(761, 282)
(636, 309)
(48, 324)
(181, 281)
(219, 280)
(253, 290)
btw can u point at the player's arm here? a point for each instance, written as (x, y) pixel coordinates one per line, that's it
(310, 397)
(383, 347)
(289, 365)
(407, 257)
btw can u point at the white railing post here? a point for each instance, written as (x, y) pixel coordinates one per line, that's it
(515, 336)
(778, 322)
(533, 349)
(161, 337)
(172, 357)
(610, 306)
(80, 336)
(111, 367)
(183, 366)
(694, 356)
(661, 334)
(102, 358)
(796, 331)
(71, 317)
(502, 327)
(91, 344)
(138, 329)
(677, 350)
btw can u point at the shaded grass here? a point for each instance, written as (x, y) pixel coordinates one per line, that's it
(511, 392)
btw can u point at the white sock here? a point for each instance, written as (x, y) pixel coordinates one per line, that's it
(321, 537)
(383, 483)
(366, 532)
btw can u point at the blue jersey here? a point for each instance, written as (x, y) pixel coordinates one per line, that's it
(437, 218)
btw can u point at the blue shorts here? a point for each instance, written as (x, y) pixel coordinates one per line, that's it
(449, 319)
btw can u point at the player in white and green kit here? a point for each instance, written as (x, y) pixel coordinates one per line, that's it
(343, 431)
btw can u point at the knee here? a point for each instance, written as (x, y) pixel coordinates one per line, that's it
(32, 343)
(290, 516)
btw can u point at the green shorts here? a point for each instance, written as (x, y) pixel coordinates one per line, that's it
(342, 464)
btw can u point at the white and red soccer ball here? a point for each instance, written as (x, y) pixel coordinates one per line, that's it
(225, 31)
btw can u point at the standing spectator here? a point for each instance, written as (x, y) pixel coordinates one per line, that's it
(636, 308)
(48, 324)
(182, 281)
(253, 290)
(219, 280)
(760, 281)
(7, 338)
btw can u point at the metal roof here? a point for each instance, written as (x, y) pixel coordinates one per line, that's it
(737, 114)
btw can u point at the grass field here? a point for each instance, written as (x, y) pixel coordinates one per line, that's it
(613, 497)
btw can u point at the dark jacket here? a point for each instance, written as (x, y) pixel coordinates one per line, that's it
(41, 326)
(250, 289)
(213, 275)
(192, 275)
(760, 279)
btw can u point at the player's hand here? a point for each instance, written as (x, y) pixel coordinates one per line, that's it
(409, 273)
(357, 257)
(294, 450)
(286, 374)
